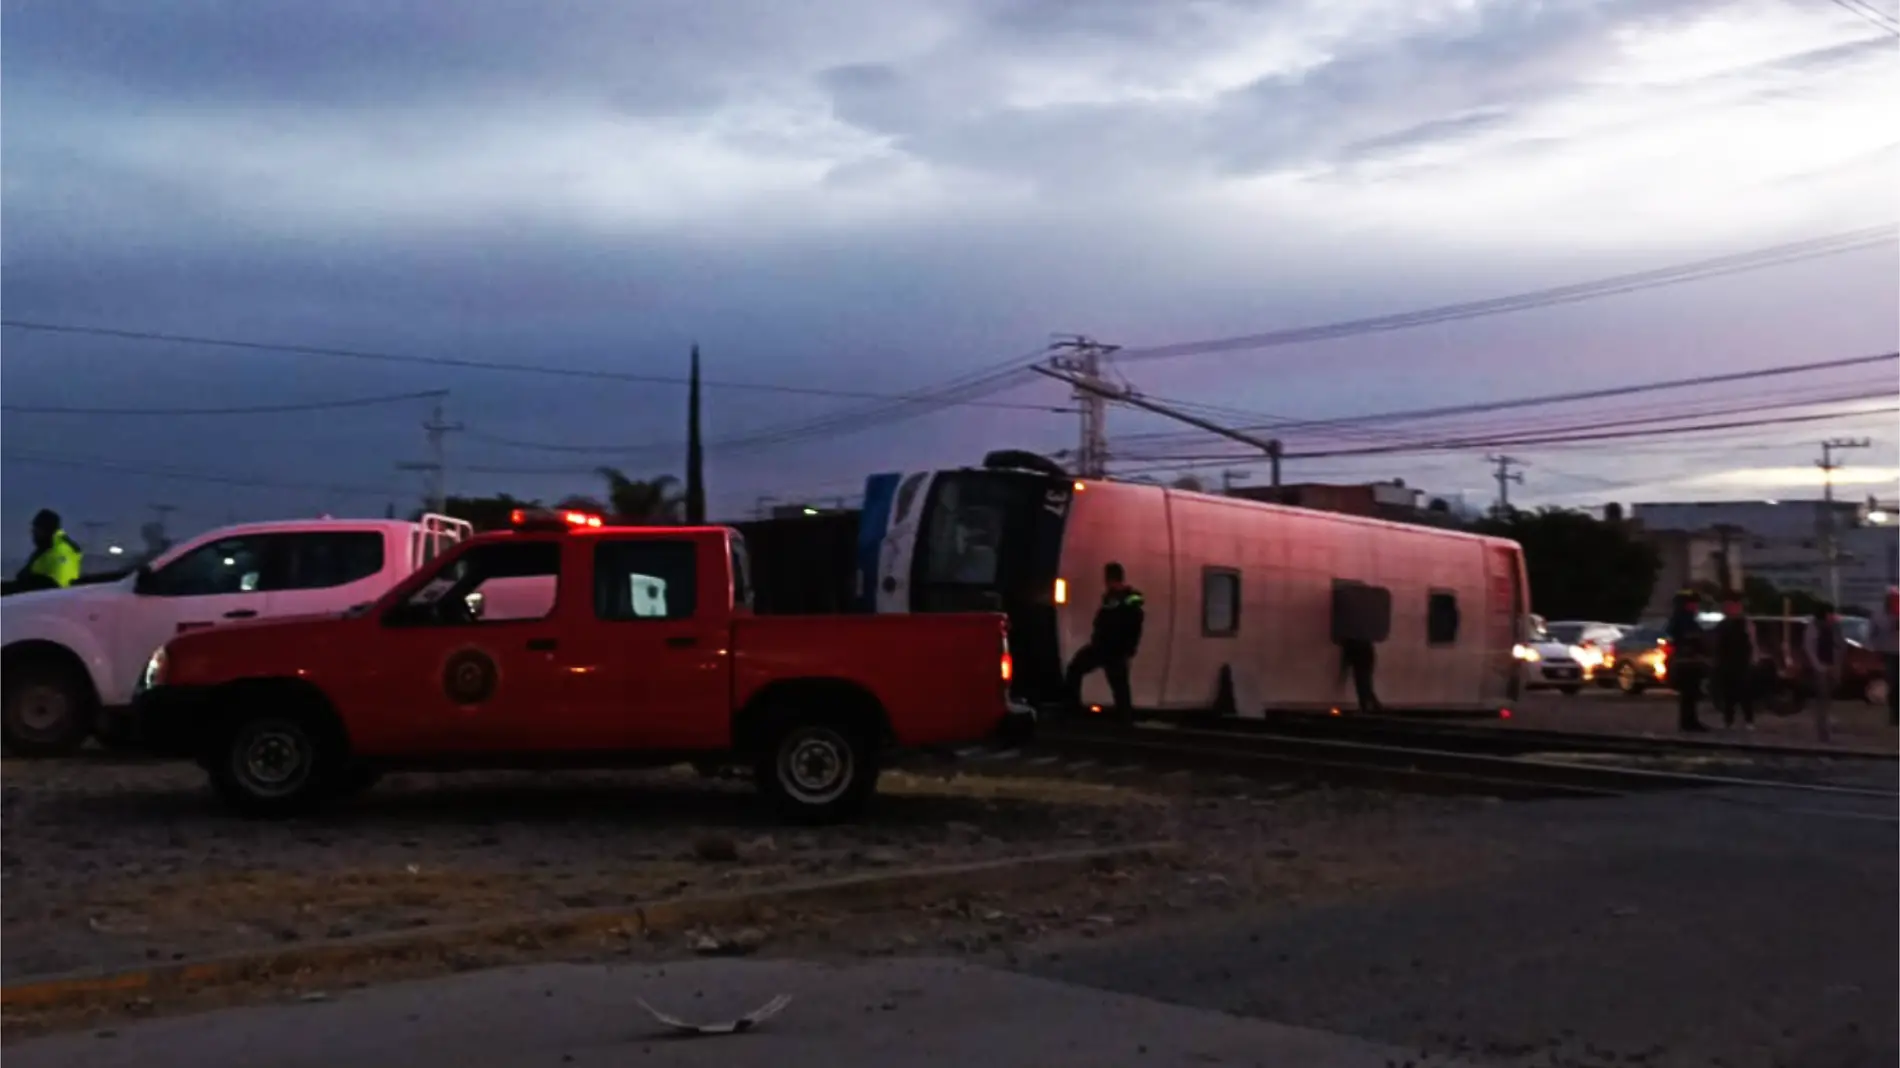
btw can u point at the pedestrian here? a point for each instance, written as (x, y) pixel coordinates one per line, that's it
(1736, 652)
(55, 561)
(1821, 646)
(1688, 660)
(1885, 639)
(1113, 640)
(1358, 657)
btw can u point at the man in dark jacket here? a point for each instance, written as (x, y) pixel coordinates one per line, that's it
(1735, 655)
(1112, 641)
(1688, 660)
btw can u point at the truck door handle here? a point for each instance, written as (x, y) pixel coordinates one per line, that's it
(541, 645)
(682, 642)
(241, 613)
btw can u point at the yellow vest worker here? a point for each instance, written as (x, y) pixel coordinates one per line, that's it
(55, 563)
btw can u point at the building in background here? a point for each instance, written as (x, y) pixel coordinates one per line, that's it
(1785, 542)
(1392, 500)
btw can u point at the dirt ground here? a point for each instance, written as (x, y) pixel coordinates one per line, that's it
(112, 866)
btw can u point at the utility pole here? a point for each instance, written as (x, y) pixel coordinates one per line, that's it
(1100, 392)
(1080, 358)
(1828, 544)
(1505, 476)
(435, 469)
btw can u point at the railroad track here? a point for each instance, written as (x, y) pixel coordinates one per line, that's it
(1499, 740)
(1388, 766)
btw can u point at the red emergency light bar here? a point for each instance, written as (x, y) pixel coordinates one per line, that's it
(544, 519)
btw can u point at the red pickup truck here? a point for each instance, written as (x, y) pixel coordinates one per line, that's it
(565, 642)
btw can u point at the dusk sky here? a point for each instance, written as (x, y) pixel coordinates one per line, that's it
(881, 196)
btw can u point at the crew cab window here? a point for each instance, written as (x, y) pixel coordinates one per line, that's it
(646, 579)
(504, 583)
(332, 558)
(228, 565)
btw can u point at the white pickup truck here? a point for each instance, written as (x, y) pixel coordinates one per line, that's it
(72, 658)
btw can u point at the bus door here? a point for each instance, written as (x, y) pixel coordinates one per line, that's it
(1504, 618)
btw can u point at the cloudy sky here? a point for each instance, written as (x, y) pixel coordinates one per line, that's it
(852, 199)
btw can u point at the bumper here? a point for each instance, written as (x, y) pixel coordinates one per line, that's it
(168, 721)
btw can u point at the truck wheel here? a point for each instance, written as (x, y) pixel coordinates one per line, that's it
(272, 766)
(818, 771)
(46, 709)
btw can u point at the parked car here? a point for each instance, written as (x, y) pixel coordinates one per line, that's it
(609, 646)
(1547, 663)
(72, 657)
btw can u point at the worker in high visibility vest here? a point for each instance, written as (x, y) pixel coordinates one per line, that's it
(55, 562)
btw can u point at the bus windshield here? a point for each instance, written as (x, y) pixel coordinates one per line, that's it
(964, 542)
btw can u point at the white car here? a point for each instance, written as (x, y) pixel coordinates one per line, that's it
(1595, 642)
(1550, 664)
(73, 657)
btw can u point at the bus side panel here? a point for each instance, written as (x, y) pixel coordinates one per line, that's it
(1113, 521)
(1228, 535)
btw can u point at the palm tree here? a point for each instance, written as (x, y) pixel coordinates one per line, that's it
(654, 501)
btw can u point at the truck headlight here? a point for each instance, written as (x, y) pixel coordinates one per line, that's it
(154, 670)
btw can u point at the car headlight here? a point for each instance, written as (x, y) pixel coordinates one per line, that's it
(1526, 654)
(154, 670)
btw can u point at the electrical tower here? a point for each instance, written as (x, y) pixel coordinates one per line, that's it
(1080, 358)
(1828, 545)
(1505, 476)
(1101, 392)
(435, 468)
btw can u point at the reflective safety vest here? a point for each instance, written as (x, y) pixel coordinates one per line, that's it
(58, 563)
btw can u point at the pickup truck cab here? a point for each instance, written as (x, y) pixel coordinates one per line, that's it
(72, 657)
(565, 642)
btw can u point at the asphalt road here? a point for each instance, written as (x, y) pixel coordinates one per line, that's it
(893, 1014)
(1674, 930)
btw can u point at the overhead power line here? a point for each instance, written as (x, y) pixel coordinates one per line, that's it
(1720, 266)
(188, 475)
(254, 409)
(1413, 414)
(513, 367)
(1872, 15)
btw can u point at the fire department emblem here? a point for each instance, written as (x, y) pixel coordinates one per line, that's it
(469, 677)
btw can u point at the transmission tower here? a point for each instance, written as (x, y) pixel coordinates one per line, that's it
(1080, 358)
(1828, 542)
(435, 468)
(1505, 476)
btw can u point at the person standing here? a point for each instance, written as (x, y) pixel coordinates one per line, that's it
(1113, 640)
(55, 561)
(1688, 661)
(1735, 654)
(1359, 658)
(1821, 647)
(1886, 641)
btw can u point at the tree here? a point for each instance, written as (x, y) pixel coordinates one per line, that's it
(695, 454)
(1191, 483)
(654, 501)
(1580, 567)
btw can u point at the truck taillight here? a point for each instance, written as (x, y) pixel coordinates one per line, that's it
(1009, 666)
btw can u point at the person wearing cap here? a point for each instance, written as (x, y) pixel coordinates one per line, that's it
(55, 562)
(1885, 640)
(1688, 660)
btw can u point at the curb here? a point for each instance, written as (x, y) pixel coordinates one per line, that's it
(73, 989)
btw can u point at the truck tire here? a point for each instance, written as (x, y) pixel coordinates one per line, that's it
(818, 770)
(274, 765)
(46, 708)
